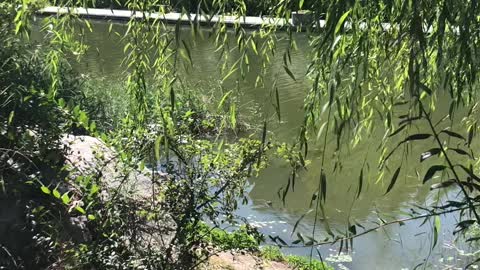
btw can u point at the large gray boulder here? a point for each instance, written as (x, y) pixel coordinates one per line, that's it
(88, 155)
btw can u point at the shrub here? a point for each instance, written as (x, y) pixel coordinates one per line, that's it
(31, 155)
(242, 238)
(273, 253)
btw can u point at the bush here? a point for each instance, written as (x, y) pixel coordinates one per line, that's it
(31, 155)
(243, 238)
(297, 262)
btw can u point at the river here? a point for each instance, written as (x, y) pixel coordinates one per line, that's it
(393, 247)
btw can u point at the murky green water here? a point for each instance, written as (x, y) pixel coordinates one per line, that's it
(394, 247)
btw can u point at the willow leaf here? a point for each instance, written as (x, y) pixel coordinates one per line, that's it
(460, 151)
(432, 171)
(397, 131)
(278, 104)
(453, 134)
(394, 180)
(436, 230)
(341, 21)
(289, 72)
(360, 183)
(299, 220)
(323, 183)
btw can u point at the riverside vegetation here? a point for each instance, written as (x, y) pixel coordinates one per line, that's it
(196, 158)
(74, 218)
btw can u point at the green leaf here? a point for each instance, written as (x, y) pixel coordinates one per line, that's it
(254, 46)
(289, 72)
(264, 138)
(394, 180)
(436, 230)
(417, 137)
(56, 194)
(157, 147)
(471, 131)
(65, 198)
(298, 241)
(93, 126)
(453, 134)
(299, 220)
(83, 118)
(341, 21)
(10, 117)
(352, 229)
(300, 5)
(224, 98)
(360, 183)
(61, 102)
(431, 172)
(91, 217)
(281, 241)
(285, 191)
(232, 70)
(80, 209)
(397, 131)
(277, 108)
(460, 151)
(45, 189)
(233, 115)
(189, 54)
(414, 137)
(184, 55)
(323, 184)
(89, 26)
(94, 189)
(172, 98)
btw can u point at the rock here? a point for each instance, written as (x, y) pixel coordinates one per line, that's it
(87, 155)
(90, 156)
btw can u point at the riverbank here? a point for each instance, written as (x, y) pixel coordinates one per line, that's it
(268, 258)
(171, 17)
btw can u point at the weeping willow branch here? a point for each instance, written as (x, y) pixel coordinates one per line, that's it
(320, 186)
(450, 164)
(397, 221)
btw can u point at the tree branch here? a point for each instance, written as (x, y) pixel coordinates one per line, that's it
(397, 221)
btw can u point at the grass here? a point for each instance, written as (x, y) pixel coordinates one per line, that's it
(272, 253)
(238, 239)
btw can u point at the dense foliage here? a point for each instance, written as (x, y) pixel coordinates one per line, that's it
(72, 216)
(377, 66)
(31, 125)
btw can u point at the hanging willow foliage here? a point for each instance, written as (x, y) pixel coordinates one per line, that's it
(384, 61)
